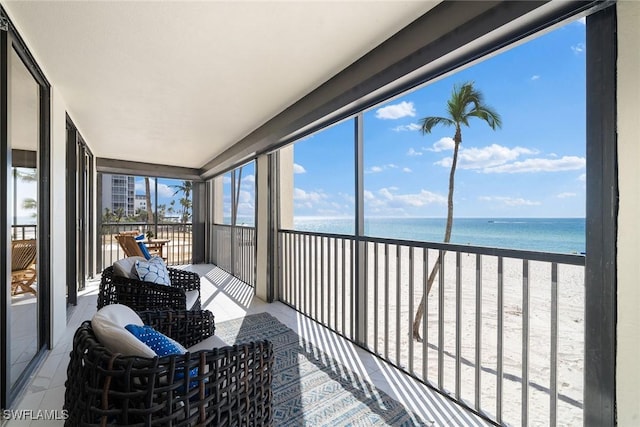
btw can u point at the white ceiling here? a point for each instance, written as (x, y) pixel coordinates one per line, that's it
(177, 83)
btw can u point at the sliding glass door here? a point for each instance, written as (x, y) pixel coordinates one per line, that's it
(24, 135)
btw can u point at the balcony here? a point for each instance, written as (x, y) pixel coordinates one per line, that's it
(228, 298)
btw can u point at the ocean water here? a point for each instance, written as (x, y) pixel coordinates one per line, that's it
(560, 235)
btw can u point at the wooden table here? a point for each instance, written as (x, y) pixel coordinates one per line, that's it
(156, 246)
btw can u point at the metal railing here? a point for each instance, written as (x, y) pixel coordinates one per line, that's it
(495, 319)
(234, 251)
(23, 231)
(177, 250)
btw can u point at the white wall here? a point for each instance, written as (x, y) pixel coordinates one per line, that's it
(58, 217)
(628, 94)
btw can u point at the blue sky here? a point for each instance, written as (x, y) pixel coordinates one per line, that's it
(534, 166)
(165, 191)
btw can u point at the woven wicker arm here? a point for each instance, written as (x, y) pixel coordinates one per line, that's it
(229, 386)
(142, 296)
(188, 327)
(185, 280)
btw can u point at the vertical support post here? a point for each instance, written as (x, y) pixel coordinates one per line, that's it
(199, 221)
(602, 216)
(360, 294)
(266, 247)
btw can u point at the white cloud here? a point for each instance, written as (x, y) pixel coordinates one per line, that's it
(444, 144)
(396, 111)
(407, 170)
(578, 48)
(226, 179)
(298, 168)
(163, 189)
(410, 127)
(535, 77)
(311, 196)
(487, 157)
(249, 178)
(378, 169)
(245, 197)
(582, 177)
(424, 197)
(565, 163)
(509, 201)
(413, 152)
(565, 195)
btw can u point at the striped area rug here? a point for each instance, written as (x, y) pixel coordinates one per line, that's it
(310, 388)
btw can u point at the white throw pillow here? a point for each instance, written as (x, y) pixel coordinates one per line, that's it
(126, 267)
(154, 271)
(109, 326)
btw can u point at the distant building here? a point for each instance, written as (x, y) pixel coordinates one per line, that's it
(140, 202)
(118, 192)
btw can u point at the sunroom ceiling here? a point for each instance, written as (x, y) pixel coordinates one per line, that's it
(177, 83)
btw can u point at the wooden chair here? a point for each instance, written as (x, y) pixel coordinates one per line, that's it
(129, 244)
(23, 272)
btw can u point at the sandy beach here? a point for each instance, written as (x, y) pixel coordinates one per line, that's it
(322, 293)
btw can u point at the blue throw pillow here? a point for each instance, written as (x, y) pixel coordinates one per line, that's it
(144, 250)
(140, 237)
(162, 345)
(154, 270)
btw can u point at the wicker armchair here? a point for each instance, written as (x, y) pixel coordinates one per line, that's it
(142, 296)
(219, 387)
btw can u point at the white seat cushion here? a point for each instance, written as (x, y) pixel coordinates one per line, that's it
(192, 297)
(109, 326)
(212, 342)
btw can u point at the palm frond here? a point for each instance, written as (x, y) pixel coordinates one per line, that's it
(428, 123)
(489, 115)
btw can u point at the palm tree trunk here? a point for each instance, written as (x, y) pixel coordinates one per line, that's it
(447, 235)
(237, 190)
(147, 188)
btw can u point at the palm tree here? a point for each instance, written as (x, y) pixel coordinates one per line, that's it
(185, 201)
(147, 188)
(465, 103)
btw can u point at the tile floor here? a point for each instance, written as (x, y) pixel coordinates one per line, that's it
(228, 298)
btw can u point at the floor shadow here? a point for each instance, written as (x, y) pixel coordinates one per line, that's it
(309, 385)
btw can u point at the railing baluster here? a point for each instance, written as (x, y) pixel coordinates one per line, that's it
(500, 367)
(300, 281)
(398, 304)
(425, 326)
(553, 380)
(478, 349)
(322, 265)
(441, 321)
(525, 342)
(386, 301)
(344, 293)
(375, 297)
(352, 293)
(458, 323)
(335, 283)
(316, 286)
(410, 326)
